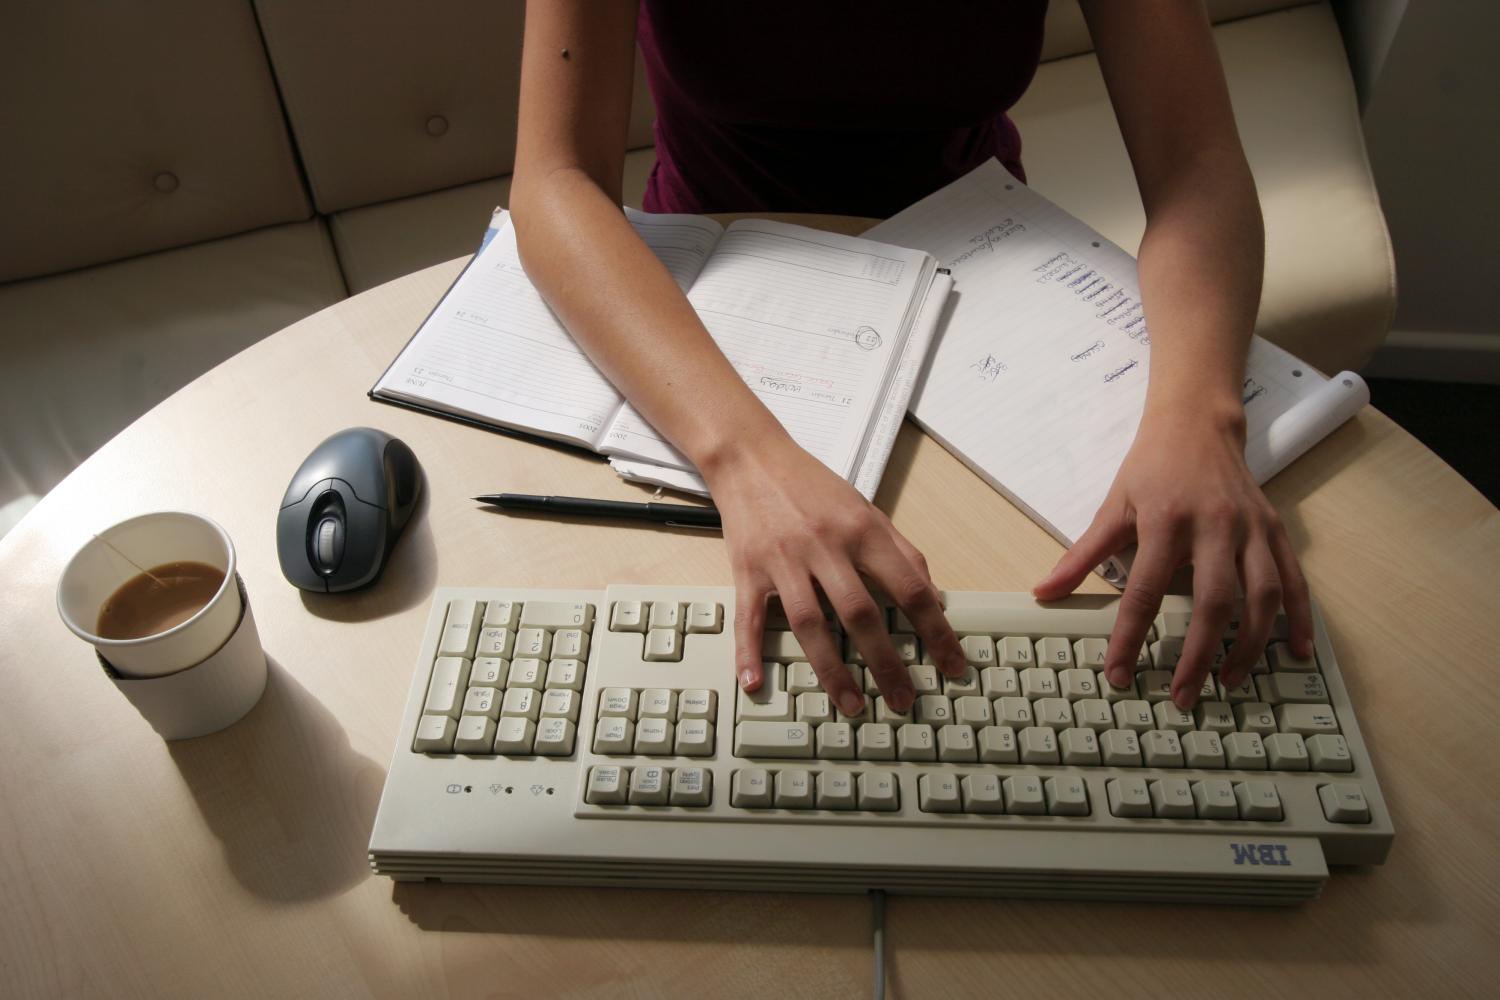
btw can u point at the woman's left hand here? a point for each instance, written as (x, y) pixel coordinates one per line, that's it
(1184, 495)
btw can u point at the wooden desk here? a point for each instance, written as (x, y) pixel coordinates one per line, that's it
(235, 864)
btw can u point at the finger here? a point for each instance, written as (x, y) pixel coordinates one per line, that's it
(749, 626)
(1214, 572)
(882, 561)
(805, 616)
(1262, 586)
(864, 620)
(909, 551)
(1154, 564)
(1294, 592)
(1109, 532)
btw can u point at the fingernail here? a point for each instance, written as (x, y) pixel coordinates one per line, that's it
(1119, 676)
(851, 703)
(746, 676)
(1183, 698)
(901, 699)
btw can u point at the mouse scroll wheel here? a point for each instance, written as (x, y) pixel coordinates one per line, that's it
(328, 543)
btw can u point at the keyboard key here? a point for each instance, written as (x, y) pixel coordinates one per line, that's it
(614, 736)
(979, 650)
(461, 629)
(835, 790)
(1215, 717)
(982, 793)
(884, 713)
(1161, 748)
(649, 786)
(1279, 657)
(483, 701)
(878, 792)
(933, 710)
(1015, 651)
(692, 787)
(653, 737)
(1329, 752)
(514, 735)
(1093, 713)
(1128, 797)
(1013, 711)
(867, 714)
(965, 684)
(1255, 717)
(956, 744)
(1245, 751)
(608, 785)
(570, 644)
(1240, 695)
(915, 741)
(1038, 745)
(565, 674)
(1090, 653)
(655, 703)
(1114, 695)
(972, 710)
(1165, 653)
(1023, 795)
(495, 642)
(1038, 682)
(773, 739)
(554, 737)
(939, 793)
(435, 734)
(557, 614)
(1214, 799)
(695, 738)
(1056, 713)
(1077, 684)
(1172, 798)
(1205, 750)
(834, 741)
(522, 703)
(750, 788)
(1258, 800)
(1155, 685)
(501, 614)
(663, 645)
(536, 642)
(814, 708)
(1306, 720)
(1055, 652)
(617, 701)
(908, 650)
(876, 741)
(997, 745)
(696, 703)
(1135, 716)
(1120, 748)
(801, 679)
(475, 735)
(1067, 796)
(628, 616)
(668, 615)
(999, 682)
(767, 703)
(488, 671)
(782, 647)
(1302, 689)
(1168, 716)
(925, 678)
(1344, 803)
(705, 617)
(1079, 747)
(445, 691)
(794, 790)
(1173, 623)
(526, 672)
(1287, 752)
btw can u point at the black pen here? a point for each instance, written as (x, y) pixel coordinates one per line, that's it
(673, 514)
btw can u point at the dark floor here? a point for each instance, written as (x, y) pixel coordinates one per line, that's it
(1459, 421)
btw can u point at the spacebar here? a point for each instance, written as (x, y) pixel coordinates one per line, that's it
(773, 739)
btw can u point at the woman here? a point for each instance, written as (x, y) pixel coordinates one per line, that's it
(861, 109)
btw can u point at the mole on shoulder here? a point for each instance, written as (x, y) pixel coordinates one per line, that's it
(565, 53)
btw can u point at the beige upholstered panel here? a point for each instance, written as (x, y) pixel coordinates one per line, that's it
(1329, 287)
(1067, 35)
(86, 353)
(380, 242)
(390, 98)
(131, 127)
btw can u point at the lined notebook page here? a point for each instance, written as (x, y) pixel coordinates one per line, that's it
(811, 321)
(1038, 378)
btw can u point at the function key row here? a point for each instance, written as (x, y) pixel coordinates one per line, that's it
(758, 788)
(1177, 798)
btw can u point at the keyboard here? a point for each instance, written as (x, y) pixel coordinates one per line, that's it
(598, 737)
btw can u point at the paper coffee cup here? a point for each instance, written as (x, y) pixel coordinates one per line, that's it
(119, 554)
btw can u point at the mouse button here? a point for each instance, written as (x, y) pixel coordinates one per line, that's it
(365, 528)
(326, 530)
(302, 490)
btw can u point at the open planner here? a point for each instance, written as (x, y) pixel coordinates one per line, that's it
(1038, 377)
(829, 331)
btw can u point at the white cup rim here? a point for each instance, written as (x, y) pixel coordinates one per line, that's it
(87, 635)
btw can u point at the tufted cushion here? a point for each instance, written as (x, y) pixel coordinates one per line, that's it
(1329, 287)
(389, 98)
(88, 352)
(130, 127)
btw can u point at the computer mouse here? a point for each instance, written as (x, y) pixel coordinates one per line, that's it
(345, 508)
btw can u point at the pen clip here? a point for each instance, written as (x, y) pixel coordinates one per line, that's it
(699, 527)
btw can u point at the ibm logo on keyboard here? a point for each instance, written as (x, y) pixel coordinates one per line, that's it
(1260, 854)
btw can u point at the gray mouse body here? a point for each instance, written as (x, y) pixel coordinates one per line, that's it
(345, 508)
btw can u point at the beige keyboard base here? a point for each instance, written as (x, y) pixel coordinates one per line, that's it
(532, 818)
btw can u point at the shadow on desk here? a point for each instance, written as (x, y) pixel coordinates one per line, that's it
(289, 800)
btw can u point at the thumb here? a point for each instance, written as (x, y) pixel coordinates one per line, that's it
(1110, 532)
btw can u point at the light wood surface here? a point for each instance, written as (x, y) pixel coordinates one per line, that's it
(235, 864)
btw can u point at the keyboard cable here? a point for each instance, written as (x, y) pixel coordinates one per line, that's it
(877, 898)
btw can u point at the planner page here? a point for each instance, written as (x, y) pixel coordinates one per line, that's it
(493, 351)
(1038, 378)
(812, 321)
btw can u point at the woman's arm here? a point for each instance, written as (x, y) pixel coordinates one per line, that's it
(1184, 493)
(793, 527)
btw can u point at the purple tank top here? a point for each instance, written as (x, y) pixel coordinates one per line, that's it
(838, 106)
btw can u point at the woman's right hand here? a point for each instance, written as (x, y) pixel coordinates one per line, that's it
(795, 529)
